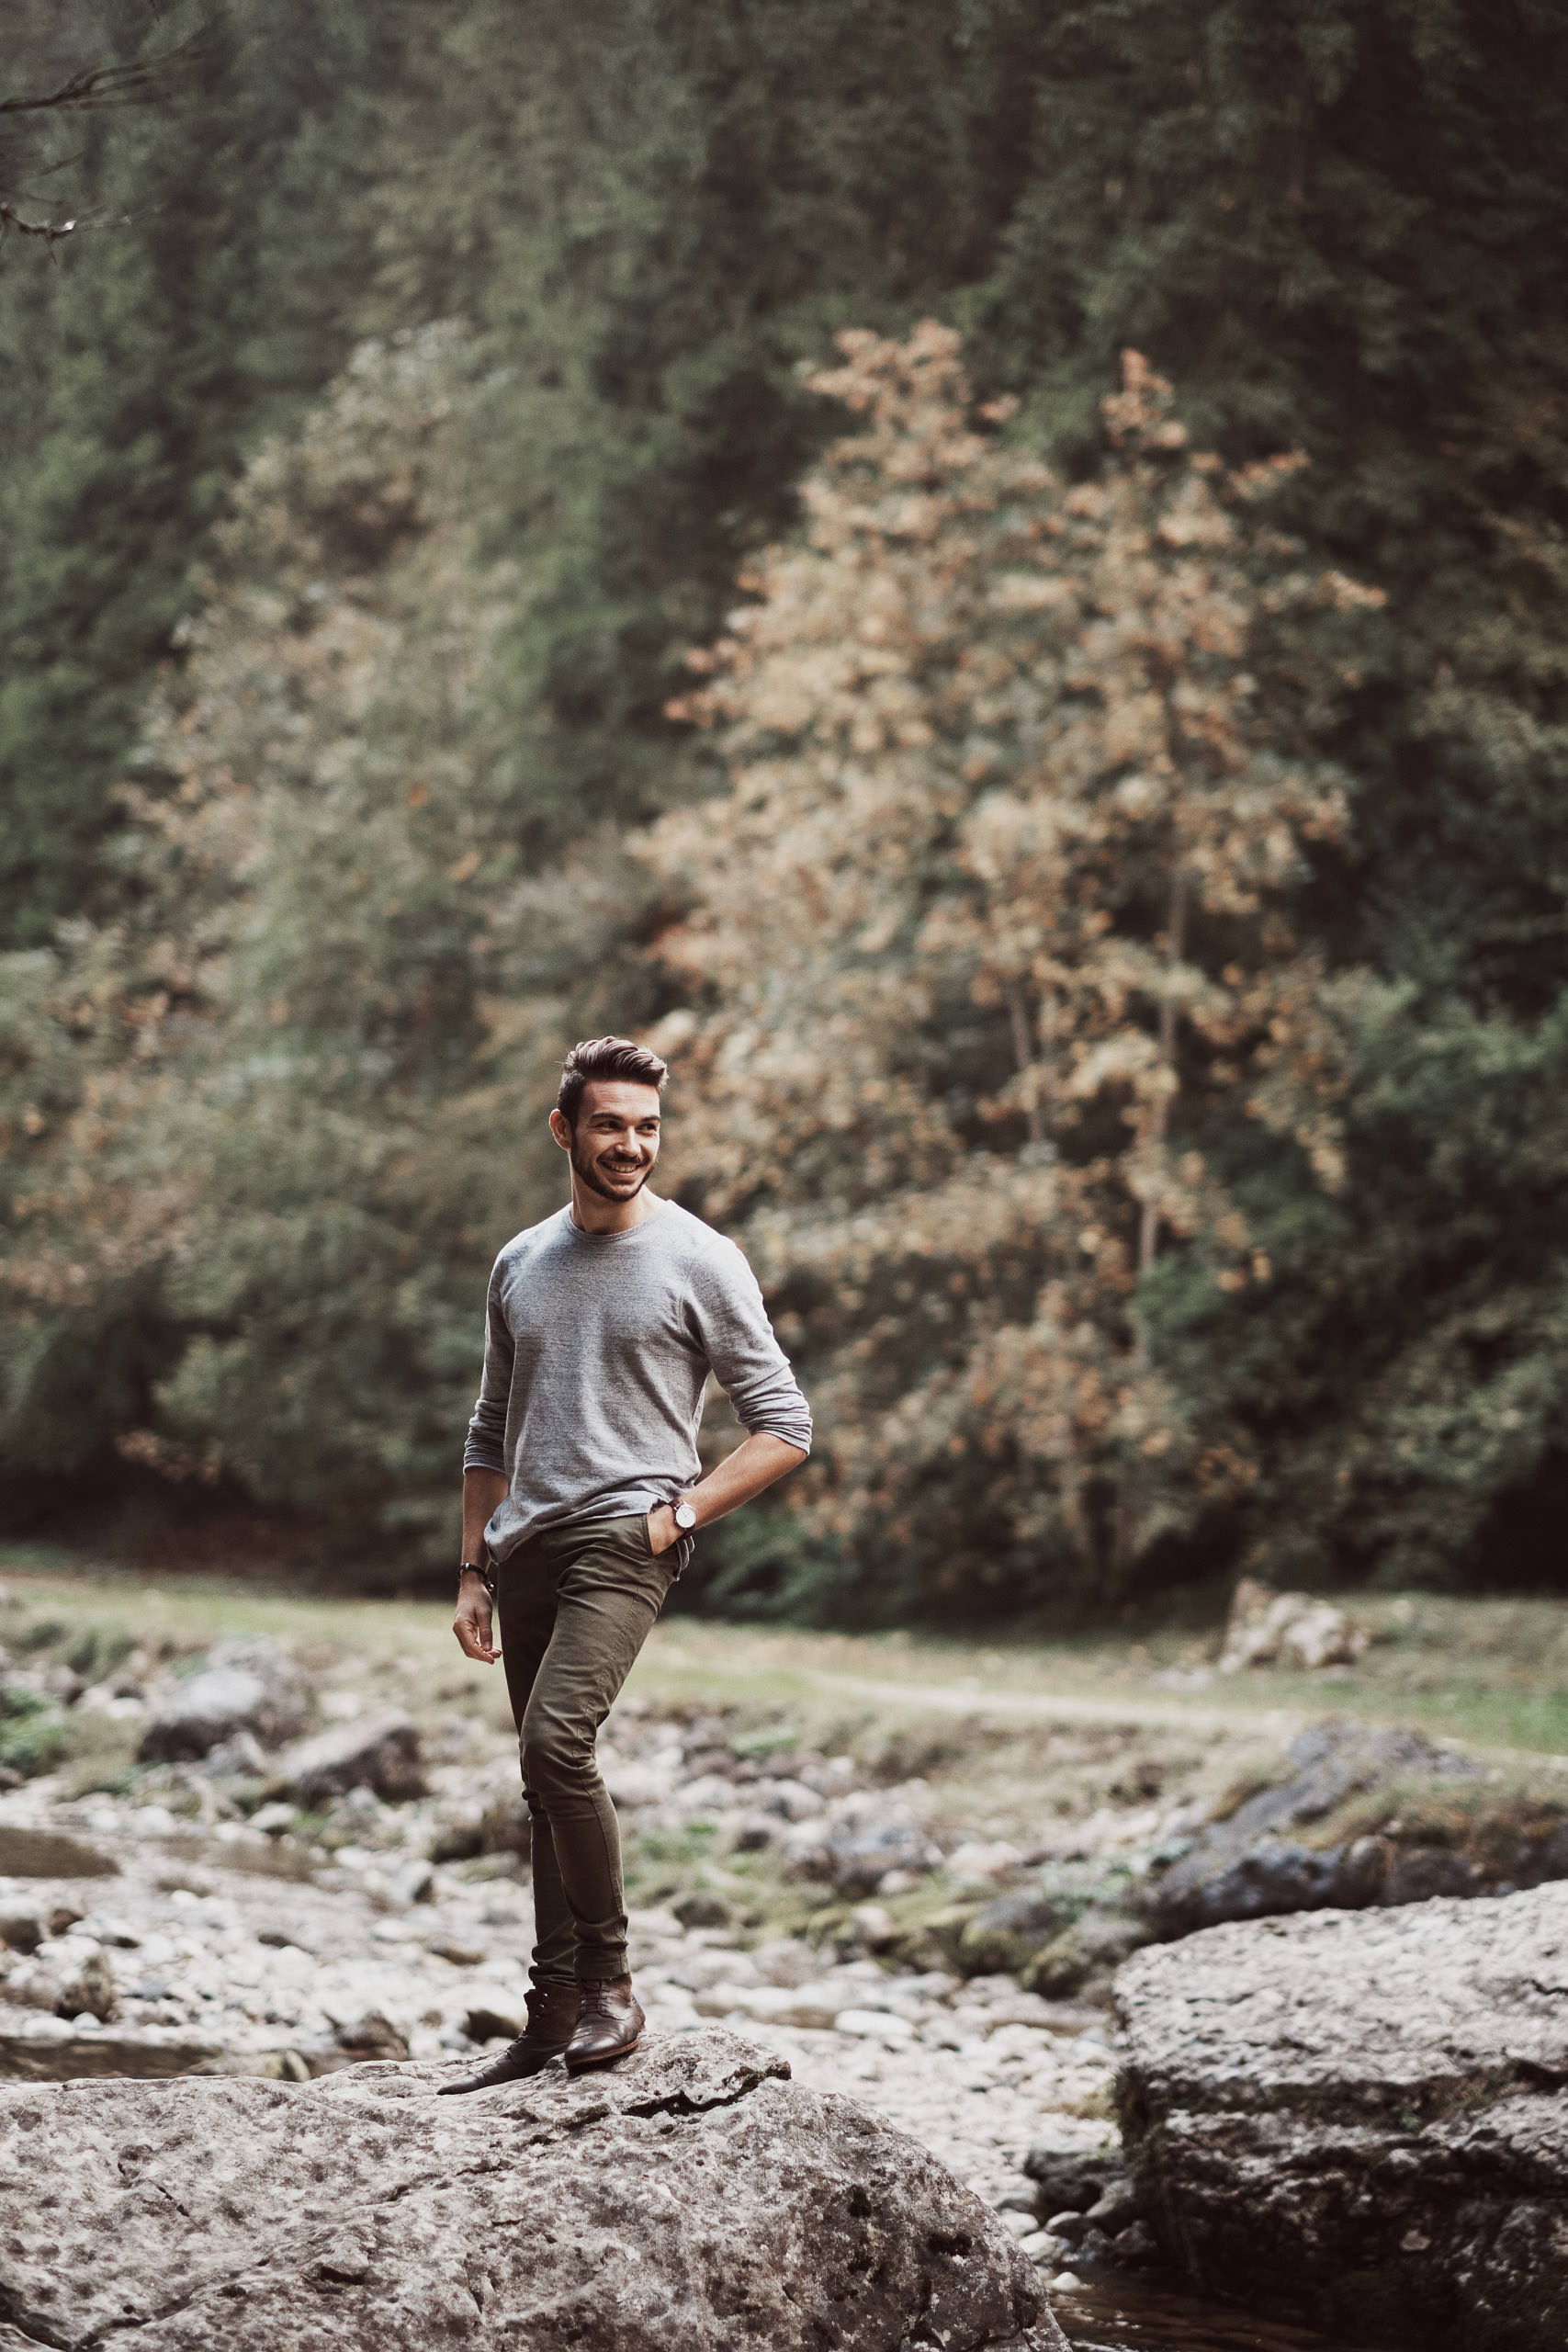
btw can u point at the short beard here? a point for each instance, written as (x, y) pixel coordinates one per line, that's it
(582, 1169)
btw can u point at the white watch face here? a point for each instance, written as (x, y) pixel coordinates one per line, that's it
(685, 1515)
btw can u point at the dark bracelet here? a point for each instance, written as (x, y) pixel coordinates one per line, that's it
(485, 1576)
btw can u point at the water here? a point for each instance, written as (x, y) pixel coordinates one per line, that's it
(1136, 2315)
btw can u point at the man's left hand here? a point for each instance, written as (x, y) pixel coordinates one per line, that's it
(472, 1623)
(662, 1529)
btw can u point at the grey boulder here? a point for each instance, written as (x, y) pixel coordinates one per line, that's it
(1277, 1850)
(1364, 2113)
(379, 1752)
(694, 2197)
(244, 1687)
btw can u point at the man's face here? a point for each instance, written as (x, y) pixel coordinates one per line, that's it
(615, 1140)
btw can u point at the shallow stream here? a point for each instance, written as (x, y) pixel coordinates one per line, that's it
(1138, 2316)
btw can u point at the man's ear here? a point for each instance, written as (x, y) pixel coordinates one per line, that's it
(560, 1128)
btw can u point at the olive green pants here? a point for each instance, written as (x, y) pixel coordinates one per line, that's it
(576, 1605)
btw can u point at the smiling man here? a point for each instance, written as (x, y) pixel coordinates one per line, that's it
(582, 1483)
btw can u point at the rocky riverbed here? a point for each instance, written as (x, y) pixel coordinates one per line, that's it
(207, 1951)
(282, 1861)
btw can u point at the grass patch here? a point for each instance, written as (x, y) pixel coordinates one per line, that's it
(658, 1864)
(34, 1732)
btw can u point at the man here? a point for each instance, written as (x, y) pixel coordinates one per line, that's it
(581, 1480)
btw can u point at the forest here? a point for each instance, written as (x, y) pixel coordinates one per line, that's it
(990, 576)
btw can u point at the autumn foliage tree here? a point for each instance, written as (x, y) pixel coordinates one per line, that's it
(989, 934)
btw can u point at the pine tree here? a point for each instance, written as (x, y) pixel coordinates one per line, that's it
(661, 213)
(156, 348)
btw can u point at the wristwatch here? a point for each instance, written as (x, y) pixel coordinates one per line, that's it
(474, 1569)
(685, 1517)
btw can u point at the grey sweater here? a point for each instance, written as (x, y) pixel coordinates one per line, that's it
(597, 1350)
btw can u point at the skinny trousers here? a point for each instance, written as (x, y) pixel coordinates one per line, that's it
(576, 1605)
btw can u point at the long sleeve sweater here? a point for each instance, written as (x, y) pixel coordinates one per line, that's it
(597, 1350)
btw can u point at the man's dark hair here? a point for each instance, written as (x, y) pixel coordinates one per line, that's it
(605, 1057)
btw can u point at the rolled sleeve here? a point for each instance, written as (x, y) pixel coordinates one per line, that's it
(486, 1446)
(733, 1330)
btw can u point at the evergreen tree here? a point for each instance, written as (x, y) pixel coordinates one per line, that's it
(1343, 232)
(151, 351)
(663, 212)
(267, 1129)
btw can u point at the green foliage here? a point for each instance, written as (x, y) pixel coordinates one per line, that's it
(34, 1735)
(248, 1248)
(1403, 1378)
(663, 212)
(97, 1651)
(332, 1108)
(149, 350)
(766, 1566)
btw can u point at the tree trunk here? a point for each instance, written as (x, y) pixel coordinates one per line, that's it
(1039, 1074)
(1148, 1227)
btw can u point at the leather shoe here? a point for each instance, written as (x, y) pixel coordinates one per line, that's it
(609, 2019)
(552, 2014)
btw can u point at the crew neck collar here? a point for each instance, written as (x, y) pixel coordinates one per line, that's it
(626, 1233)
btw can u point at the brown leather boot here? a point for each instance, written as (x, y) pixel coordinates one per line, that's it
(609, 2020)
(552, 2014)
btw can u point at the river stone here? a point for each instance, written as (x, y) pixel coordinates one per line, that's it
(692, 2197)
(1093, 1946)
(862, 1851)
(22, 1929)
(1365, 2111)
(379, 1752)
(244, 1686)
(1070, 2177)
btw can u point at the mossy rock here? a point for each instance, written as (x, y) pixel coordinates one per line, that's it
(1005, 1934)
(1092, 1946)
(931, 1939)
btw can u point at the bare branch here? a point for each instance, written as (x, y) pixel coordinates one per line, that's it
(98, 86)
(92, 89)
(12, 223)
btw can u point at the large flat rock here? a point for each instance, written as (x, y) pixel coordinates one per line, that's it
(50, 1853)
(693, 2196)
(1367, 2112)
(59, 2057)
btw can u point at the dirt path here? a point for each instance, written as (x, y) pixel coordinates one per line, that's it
(1067, 1707)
